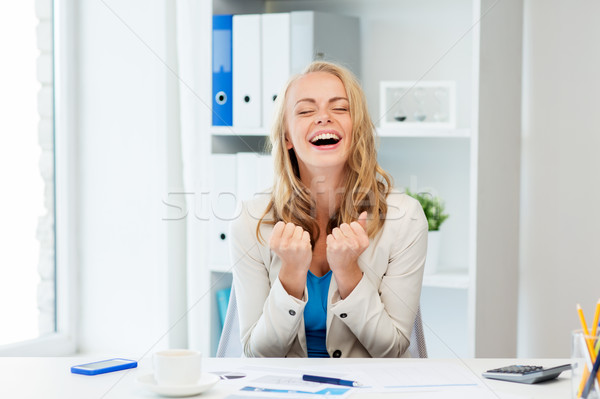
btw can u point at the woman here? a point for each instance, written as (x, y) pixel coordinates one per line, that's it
(331, 262)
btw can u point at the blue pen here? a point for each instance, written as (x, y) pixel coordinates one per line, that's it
(330, 380)
(592, 378)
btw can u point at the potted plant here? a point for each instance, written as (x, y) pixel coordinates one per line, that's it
(433, 206)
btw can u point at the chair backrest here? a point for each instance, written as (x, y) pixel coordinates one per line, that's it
(231, 346)
(229, 343)
(417, 347)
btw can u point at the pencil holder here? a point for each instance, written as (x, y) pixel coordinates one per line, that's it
(582, 365)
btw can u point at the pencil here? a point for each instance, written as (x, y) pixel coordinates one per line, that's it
(594, 334)
(590, 382)
(590, 346)
(586, 332)
(595, 328)
(596, 316)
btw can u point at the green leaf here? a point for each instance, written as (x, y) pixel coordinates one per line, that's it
(433, 208)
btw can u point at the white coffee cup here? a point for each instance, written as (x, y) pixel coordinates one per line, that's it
(177, 367)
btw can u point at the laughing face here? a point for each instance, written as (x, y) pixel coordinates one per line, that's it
(318, 122)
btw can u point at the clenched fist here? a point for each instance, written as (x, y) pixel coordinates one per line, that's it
(292, 244)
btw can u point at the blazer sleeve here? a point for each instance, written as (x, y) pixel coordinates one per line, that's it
(382, 317)
(269, 317)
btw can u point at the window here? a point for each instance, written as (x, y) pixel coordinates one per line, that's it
(29, 303)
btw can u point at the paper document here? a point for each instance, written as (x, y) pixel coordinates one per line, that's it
(421, 380)
(263, 382)
(393, 377)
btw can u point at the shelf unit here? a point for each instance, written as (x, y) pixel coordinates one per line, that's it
(474, 167)
(236, 131)
(424, 132)
(381, 132)
(457, 278)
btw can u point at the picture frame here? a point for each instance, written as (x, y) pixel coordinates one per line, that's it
(417, 104)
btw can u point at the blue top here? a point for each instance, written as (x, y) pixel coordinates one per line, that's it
(315, 314)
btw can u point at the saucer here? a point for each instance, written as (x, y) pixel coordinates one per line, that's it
(206, 381)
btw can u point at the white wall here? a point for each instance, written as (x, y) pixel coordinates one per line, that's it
(560, 235)
(124, 137)
(124, 134)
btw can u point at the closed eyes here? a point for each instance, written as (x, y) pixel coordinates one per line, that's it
(309, 111)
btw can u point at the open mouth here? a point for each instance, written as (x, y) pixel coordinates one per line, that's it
(324, 139)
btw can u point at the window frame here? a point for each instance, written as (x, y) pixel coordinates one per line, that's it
(64, 339)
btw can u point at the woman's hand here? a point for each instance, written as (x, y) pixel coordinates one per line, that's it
(292, 244)
(344, 246)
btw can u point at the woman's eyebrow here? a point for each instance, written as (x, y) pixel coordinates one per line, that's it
(310, 100)
(334, 99)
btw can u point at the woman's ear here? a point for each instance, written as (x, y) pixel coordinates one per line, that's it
(288, 143)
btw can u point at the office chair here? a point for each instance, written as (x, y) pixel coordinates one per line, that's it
(231, 346)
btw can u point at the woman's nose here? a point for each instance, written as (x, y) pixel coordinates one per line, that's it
(323, 117)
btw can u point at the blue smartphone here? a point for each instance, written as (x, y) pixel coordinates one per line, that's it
(103, 366)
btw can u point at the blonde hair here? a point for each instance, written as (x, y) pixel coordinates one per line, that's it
(366, 182)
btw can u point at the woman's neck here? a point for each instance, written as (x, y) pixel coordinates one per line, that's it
(327, 191)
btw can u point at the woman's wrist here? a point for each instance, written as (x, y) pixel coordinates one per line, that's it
(293, 280)
(347, 280)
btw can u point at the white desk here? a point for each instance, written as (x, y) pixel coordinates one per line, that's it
(50, 378)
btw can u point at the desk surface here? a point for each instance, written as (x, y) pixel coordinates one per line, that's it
(50, 378)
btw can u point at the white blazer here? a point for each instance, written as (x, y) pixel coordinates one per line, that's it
(375, 320)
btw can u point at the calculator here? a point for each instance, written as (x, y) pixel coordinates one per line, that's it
(526, 374)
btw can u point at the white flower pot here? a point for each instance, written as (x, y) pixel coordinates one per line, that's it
(433, 250)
